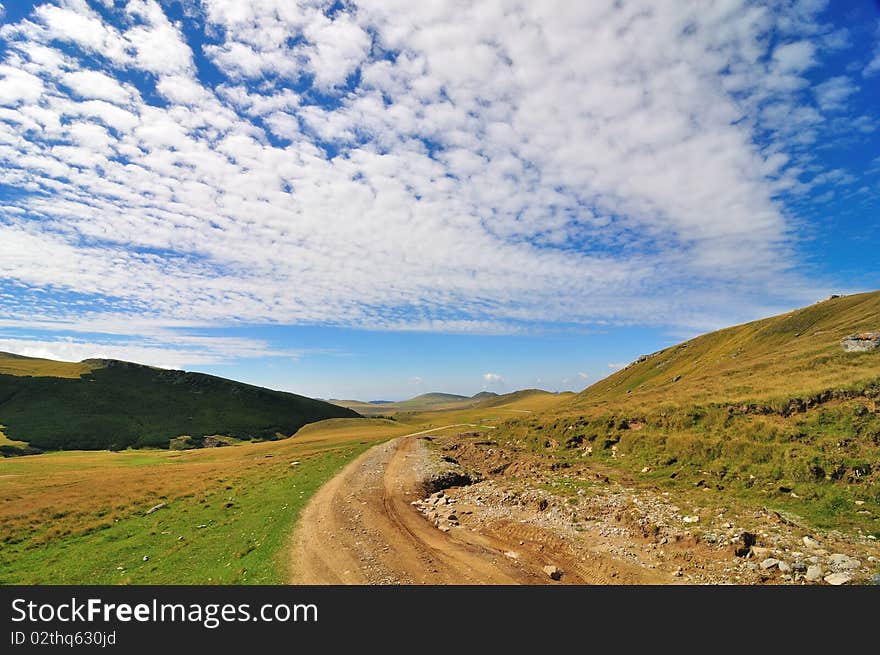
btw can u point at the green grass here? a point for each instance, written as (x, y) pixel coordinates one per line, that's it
(246, 543)
(122, 405)
(827, 456)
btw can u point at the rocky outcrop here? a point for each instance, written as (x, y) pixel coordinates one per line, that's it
(862, 342)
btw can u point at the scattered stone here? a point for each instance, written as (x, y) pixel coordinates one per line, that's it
(691, 519)
(146, 558)
(799, 567)
(838, 579)
(769, 563)
(875, 579)
(294, 463)
(841, 561)
(809, 542)
(511, 554)
(553, 572)
(863, 342)
(759, 552)
(156, 508)
(676, 378)
(202, 525)
(784, 567)
(814, 573)
(646, 469)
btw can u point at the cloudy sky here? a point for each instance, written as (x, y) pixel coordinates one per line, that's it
(384, 197)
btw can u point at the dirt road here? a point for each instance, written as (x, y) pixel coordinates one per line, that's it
(361, 528)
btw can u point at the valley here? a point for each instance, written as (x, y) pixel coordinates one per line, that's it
(750, 455)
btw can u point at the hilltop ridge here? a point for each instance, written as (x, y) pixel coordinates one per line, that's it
(108, 403)
(799, 352)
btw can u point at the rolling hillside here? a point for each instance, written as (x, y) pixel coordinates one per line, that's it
(782, 356)
(775, 411)
(113, 404)
(441, 402)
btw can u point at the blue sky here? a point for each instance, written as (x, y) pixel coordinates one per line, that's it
(381, 198)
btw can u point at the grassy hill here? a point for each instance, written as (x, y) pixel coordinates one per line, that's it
(114, 404)
(12, 364)
(774, 411)
(777, 357)
(427, 400)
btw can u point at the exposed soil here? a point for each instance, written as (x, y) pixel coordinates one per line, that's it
(362, 528)
(382, 521)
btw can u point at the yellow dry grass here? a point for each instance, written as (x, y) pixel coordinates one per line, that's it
(6, 441)
(57, 494)
(17, 365)
(781, 356)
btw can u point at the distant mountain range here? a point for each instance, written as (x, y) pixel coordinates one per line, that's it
(436, 401)
(97, 404)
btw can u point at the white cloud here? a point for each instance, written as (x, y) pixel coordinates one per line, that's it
(17, 86)
(171, 351)
(78, 24)
(833, 93)
(493, 379)
(616, 366)
(94, 85)
(158, 45)
(795, 57)
(584, 376)
(181, 89)
(873, 66)
(339, 46)
(509, 166)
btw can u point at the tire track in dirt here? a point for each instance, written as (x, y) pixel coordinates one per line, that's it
(360, 528)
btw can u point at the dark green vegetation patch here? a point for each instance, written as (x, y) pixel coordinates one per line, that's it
(122, 405)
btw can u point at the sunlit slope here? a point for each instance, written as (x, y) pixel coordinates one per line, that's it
(11, 364)
(787, 355)
(527, 400)
(118, 404)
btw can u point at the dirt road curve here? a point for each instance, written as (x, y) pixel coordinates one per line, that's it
(360, 528)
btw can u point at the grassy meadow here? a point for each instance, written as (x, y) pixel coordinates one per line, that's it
(78, 517)
(771, 414)
(81, 517)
